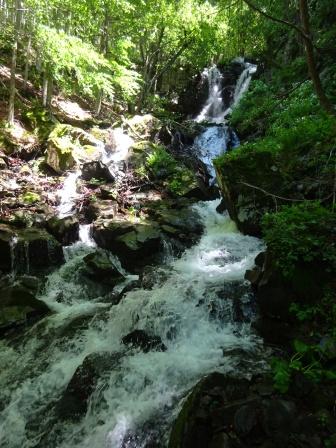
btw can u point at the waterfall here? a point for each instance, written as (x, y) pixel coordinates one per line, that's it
(242, 85)
(214, 106)
(68, 194)
(123, 142)
(191, 308)
(218, 138)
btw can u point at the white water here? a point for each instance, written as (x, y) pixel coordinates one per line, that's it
(68, 195)
(217, 139)
(242, 85)
(192, 313)
(85, 236)
(214, 110)
(68, 192)
(120, 153)
(214, 106)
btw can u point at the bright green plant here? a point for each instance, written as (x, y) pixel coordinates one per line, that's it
(30, 197)
(306, 360)
(160, 161)
(304, 232)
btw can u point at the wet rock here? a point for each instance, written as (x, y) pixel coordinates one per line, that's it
(221, 208)
(253, 275)
(97, 170)
(145, 342)
(143, 126)
(19, 307)
(209, 409)
(69, 146)
(134, 244)
(65, 230)
(74, 401)
(6, 239)
(152, 276)
(102, 210)
(278, 418)
(30, 250)
(101, 267)
(42, 250)
(245, 419)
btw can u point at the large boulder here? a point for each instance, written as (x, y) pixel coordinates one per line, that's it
(18, 139)
(75, 399)
(143, 127)
(97, 170)
(100, 266)
(69, 146)
(30, 250)
(135, 244)
(101, 209)
(19, 306)
(65, 230)
(224, 412)
(145, 342)
(275, 293)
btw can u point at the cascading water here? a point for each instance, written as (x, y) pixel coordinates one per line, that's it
(136, 398)
(68, 195)
(68, 192)
(192, 313)
(218, 137)
(214, 106)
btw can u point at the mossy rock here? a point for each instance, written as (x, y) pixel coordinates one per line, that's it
(143, 126)
(69, 146)
(16, 139)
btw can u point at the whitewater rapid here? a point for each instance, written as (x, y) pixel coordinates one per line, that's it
(191, 311)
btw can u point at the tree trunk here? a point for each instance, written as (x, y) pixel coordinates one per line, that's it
(314, 74)
(50, 88)
(44, 89)
(99, 101)
(27, 65)
(16, 23)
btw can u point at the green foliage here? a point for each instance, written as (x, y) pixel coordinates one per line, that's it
(181, 181)
(72, 62)
(30, 197)
(39, 120)
(320, 316)
(307, 360)
(160, 162)
(301, 233)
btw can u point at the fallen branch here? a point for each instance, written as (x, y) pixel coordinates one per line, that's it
(267, 193)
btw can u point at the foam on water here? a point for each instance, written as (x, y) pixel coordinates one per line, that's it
(188, 311)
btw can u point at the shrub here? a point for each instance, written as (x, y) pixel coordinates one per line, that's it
(304, 232)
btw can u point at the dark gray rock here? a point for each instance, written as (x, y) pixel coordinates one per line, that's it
(96, 170)
(19, 307)
(65, 230)
(144, 341)
(101, 267)
(74, 401)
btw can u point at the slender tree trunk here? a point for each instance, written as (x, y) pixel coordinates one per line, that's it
(27, 64)
(16, 23)
(50, 88)
(99, 101)
(314, 74)
(44, 89)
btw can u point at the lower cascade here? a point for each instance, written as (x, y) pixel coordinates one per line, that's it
(192, 320)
